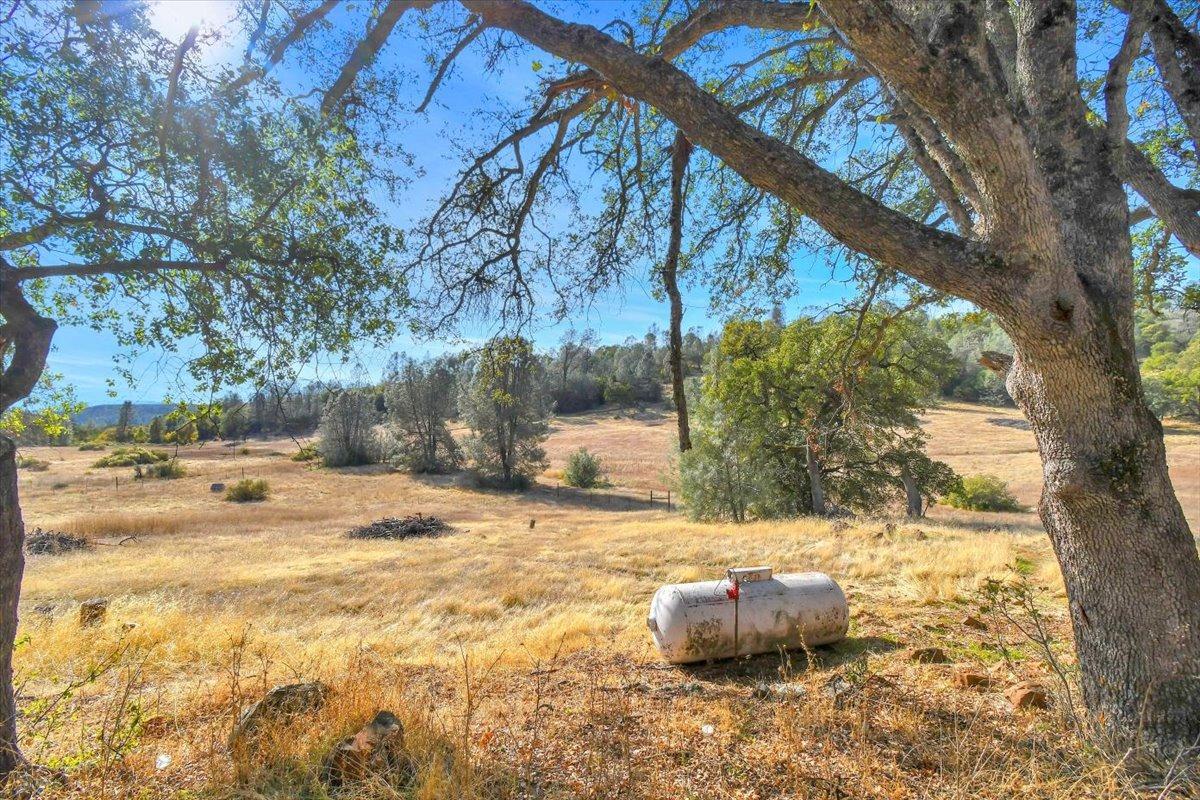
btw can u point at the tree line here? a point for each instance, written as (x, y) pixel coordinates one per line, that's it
(581, 375)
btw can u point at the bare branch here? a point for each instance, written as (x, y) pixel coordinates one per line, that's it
(447, 61)
(857, 220)
(164, 127)
(1115, 85)
(367, 49)
(303, 23)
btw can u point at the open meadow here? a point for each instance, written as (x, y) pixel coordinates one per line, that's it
(514, 648)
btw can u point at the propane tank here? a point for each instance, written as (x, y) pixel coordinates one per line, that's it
(749, 611)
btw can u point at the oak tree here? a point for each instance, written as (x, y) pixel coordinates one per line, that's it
(977, 148)
(146, 195)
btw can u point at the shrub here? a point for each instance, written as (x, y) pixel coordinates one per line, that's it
(307, 452)
(578, 394)
(166, 470)
(32, 464)
(91, 446)
(983, 493)
(132, 456)
(583, 469)
(247, 490)
(619, 393)
(719, 480)
(486, 480)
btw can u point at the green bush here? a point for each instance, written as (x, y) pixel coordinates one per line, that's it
(32, 464)
(583, 469)
(165, 470)
(91, 446)
(306, 453)
(247, 490)
(131, 457)
(983, 493)
(619, 393)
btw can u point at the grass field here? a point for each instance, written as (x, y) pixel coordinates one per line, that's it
(515, 648)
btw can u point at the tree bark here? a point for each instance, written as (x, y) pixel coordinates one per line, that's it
(1128, 558)
(912, 494)
(816, 483)
(12, 567)
(680, 152)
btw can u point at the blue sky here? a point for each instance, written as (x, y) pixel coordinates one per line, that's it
(86, 358)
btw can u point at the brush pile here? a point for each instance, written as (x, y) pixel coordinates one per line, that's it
(411, 527)
(41, 543)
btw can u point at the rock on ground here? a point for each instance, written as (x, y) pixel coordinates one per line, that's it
(1028, 694)
(376, 752)
(282, 702)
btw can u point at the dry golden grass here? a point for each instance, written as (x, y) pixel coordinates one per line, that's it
(518, 657)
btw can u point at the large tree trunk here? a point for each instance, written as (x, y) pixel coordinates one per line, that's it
(1128, 558)
(816, 483)
(912, 494)
(12, 566)
(680, 152)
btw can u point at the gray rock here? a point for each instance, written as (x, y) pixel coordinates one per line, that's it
(281, 703)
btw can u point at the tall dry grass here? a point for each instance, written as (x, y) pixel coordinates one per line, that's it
(516, 656)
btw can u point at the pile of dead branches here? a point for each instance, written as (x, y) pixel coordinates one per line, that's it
(40, 542)
(411, 527)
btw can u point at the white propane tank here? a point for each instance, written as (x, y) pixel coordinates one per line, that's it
(749, 611)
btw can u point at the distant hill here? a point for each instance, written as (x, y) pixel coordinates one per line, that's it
(107, 413)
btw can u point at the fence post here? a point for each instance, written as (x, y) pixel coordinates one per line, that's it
(668, 499)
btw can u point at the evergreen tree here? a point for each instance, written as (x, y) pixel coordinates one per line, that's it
(506, 407)
(124, 421)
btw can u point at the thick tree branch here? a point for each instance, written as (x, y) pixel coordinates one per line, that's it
(933, 172)
(20, 274)
(1176, 207)
(1115, 85)
(943, 76)
(1177, 54)
(28, 334)
(367, 49)
(936, 257)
